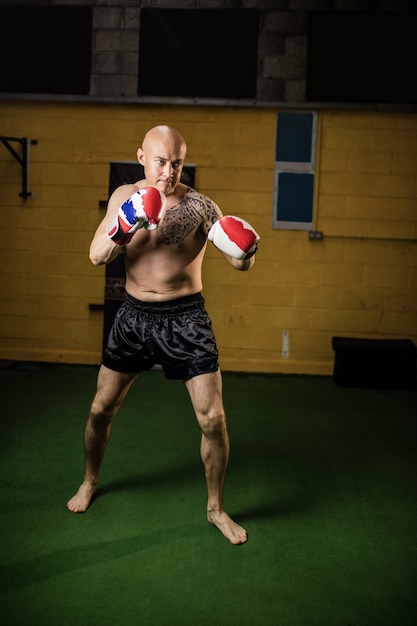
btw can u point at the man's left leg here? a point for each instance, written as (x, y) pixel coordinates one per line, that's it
(206, 396)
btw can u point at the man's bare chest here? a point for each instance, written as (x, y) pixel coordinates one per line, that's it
(178, 224)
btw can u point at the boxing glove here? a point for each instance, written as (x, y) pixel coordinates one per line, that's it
(144, 209)
(234, 236)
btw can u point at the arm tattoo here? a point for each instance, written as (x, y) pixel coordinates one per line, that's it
(183, 219)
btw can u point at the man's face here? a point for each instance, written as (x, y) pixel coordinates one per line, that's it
(163, 162)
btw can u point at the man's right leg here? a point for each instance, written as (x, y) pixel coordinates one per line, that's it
(112, 388)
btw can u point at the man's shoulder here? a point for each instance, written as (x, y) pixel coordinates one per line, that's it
(190, 192)
(199, 198)
(200, 204)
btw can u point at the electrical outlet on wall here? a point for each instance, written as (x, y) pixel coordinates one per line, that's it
(285, 344)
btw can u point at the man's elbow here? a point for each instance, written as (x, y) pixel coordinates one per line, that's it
(243, 265)
(97, 259)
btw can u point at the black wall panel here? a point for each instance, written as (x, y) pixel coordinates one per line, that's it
(204, 53)
(362, 57)
(45, 49)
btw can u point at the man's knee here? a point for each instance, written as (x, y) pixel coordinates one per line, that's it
(101, 414)
(214, 425)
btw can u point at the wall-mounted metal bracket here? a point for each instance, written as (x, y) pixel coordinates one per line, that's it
(23, 160)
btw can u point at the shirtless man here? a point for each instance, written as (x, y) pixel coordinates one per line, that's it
(163, 316)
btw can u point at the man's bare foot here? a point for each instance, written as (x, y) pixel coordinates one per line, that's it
(81, 501)
(232, 531)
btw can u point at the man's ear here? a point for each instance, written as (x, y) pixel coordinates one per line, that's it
(140, 156)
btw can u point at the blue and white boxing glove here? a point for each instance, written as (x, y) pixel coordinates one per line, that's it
(234, 236)
(144, 209)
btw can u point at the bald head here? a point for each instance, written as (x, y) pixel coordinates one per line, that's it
(162, 155)
(163, 134)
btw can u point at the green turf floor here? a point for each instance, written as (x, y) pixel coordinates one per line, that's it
(322, 477)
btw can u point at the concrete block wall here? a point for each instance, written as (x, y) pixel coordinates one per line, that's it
(366, 208)
(114, 69)
(360, 280)
(282, 48)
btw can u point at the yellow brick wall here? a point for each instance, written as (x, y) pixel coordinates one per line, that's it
(360, 280)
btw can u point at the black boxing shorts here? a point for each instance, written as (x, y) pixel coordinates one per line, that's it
(177, 335)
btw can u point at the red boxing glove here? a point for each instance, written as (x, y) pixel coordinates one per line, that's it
(144, 209)
(234, 236)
